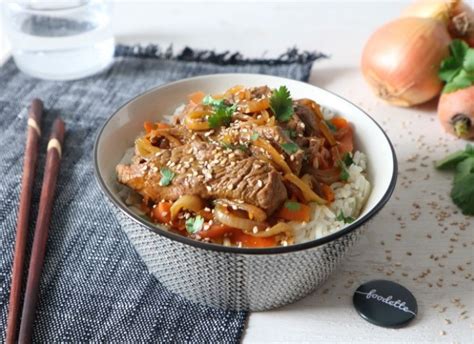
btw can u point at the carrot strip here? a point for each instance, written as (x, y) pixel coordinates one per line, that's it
(251, 241)
(162, 125)
(149, 126)
(216, 231)
(196, 97)
(162, 212)
(339, 122)
(301, 213)
(327, 191)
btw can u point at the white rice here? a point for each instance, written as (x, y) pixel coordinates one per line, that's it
(350, 198)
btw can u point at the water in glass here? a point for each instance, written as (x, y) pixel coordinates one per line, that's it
(60, 40)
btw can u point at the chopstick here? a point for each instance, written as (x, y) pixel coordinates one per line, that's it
(29, 167)
(53, 160)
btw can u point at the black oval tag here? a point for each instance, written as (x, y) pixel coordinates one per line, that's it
(385, 303)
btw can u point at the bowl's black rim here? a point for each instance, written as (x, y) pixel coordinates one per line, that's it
(226, 249)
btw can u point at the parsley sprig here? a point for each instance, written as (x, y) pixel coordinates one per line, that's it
(282, 104)
(457, 70)
(222, 113)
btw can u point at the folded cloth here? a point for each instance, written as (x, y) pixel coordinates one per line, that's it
(94, 287)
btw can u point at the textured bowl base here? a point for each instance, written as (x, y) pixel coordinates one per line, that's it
(236, 281)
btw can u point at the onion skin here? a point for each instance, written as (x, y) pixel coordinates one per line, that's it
(456, 14)
(456, 112)
(462, 13)
(401, 60)
(224, 217)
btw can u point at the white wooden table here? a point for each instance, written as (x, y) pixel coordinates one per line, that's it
(419, 239)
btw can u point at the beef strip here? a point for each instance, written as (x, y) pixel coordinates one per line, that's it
(277, 137)
(208, 171)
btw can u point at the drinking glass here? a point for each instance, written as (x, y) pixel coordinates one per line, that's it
(60, 40)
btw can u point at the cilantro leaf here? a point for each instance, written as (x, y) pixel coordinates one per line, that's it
(343, 218)
(464, 168)
(457, 70)
(345, 175)
(290, 147)
(290, 133)
(292, 206)
(194, 224)
(239, 146)
(463, 194)
(449, 69)
(347, 159)
(458, 49)
(331, 126)
(344, 171)
(468, 63)
(282, 104)
(222, 115)
(208, 100)
(453, 159)
(254, 136)
(166, 176)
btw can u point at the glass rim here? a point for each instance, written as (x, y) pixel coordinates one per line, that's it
(48, 6)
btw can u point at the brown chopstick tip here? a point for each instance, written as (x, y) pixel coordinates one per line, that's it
(36, 109)
(58, 130)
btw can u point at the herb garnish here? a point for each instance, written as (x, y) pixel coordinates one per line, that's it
(343, 218)
(282, 104)
(239, 146)
(344, 171)
(166, 176)
(222, 115)
(462, 192)
(290, 147)
(292, 206)
(331, 126)
(347, 159)
(290, 133)
(194, 224)
(254, 136)
(208, 100)
(457, 70)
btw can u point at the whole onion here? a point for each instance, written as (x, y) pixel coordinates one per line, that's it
(401, 60)
(456, 14)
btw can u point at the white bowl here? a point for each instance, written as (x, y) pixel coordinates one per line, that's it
(122, 128)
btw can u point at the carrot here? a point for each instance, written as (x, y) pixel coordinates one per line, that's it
(207, 215)
(149, 126)
(294, 211)
(346, 142)
(216, 231)
(196, 97)
(327, 191)
(339, 122)
(162, 125)
(251, 241)
(162, 212)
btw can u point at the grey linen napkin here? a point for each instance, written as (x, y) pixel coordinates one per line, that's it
(94, 287)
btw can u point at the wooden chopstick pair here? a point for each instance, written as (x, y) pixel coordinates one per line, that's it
(51, 169)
